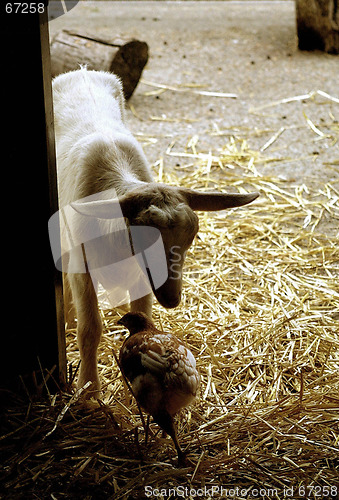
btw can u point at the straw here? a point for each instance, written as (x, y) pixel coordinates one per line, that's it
(260, 312)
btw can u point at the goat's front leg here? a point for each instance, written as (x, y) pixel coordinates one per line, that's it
(69, 309)
(89, 330)
(144, 304)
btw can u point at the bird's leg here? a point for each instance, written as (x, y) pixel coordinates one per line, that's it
(147, 429)
(165, 421)
(181, 454)
(183, 461)
(136, 438)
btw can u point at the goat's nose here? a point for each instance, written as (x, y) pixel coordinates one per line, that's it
(168, 300)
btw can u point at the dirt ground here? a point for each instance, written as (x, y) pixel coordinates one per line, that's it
(246, 48)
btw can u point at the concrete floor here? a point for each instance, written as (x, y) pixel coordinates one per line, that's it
(248, 48)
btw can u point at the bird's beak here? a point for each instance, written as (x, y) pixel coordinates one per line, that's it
(122, 323)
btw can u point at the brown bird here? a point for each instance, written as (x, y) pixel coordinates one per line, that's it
(162, 372)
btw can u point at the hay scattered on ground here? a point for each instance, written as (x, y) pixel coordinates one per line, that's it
(260, 312)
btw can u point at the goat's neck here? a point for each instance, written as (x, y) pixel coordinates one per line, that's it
(121, 169)
(128, 182)
(127, 178)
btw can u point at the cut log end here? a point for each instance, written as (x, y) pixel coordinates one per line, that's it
(128, 64)
(125, 58)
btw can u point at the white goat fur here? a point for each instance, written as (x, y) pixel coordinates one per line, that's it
(97, 153)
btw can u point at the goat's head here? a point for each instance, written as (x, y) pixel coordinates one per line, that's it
(172, 211)
(166, 209)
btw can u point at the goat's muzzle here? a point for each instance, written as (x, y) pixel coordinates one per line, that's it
(167, 298)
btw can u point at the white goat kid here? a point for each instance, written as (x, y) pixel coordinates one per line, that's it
(96, 153)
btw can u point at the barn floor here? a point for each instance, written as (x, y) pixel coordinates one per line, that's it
(263, 319)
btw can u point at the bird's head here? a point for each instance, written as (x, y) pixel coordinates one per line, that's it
(136, 322)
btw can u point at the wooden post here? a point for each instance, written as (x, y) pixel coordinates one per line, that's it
(318, 25)
(32, 340)
(57, 299)
(124, 57)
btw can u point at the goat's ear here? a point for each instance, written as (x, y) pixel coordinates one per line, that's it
(216, 201)
(101, 209)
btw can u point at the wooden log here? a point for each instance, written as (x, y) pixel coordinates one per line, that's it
(124, 57)
(318, 25)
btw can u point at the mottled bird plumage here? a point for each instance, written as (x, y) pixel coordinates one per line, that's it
(161, 369)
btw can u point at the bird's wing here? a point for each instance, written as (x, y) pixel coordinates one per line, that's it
(143, 353)
(163, 356)
(182, 374)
